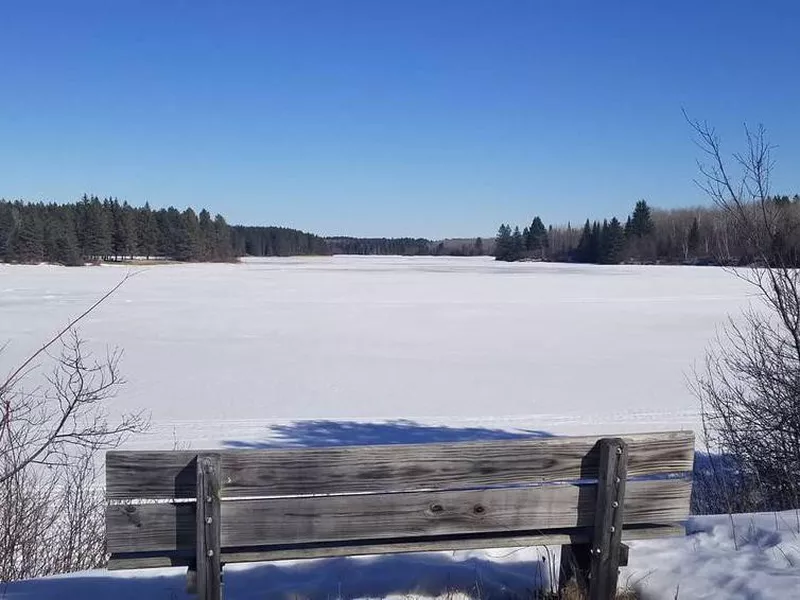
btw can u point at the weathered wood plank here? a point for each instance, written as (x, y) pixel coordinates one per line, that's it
(609, 518)
(361, 469)
(207, 527)
(229, 556)
(149, 527)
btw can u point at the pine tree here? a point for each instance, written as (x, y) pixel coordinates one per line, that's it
(147, 231)
(641, 222)
(583, 252)
(208, 241)
(29, 241)
(538, 241)
(517, 244)
(60, 240)
(613, 242)
(594, 244)
(129, 230)
(503, 243)
(223, 244)
(8, 227)
(97, 230)
(187, 243)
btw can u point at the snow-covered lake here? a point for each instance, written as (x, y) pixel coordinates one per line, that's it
(235, 354)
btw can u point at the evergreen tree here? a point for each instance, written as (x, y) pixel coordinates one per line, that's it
(594, 244)
(60, 240)
(517, 245)
(641, 222)
(583, 252)
(613, 242)
(479, 246)
(503, 245)
(223, 246)
(29, 241)
(97, 232)
(208, 239)
(538, 241)
(188, 242)
(129, 230)
(147, 232)
(9, 216)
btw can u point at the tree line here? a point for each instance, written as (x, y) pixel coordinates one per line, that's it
(702, 235)
(108, 230)
(95, 229)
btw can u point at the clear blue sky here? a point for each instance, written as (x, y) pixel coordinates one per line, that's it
(432, 118)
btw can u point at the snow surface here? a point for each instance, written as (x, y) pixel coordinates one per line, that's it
(764, 563)
(347, 350)
(227, 354)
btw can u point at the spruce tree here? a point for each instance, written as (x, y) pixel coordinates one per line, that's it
(583, 252)
(29, 241)
(223, 242)
(517, 245)
(97, 234)
(8, 227)
(538, 238)
(613, 242)
(208, 242)
(503, 243)
(147, 231)
(641, 222)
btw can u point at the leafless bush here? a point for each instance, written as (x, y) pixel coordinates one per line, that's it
(51, 518)
(749, 388)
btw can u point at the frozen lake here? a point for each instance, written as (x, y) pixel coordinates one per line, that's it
(224, 353)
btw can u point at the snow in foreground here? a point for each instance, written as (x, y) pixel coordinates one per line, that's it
(762, 562)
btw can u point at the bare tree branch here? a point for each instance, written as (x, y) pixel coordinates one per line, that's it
(749, 389)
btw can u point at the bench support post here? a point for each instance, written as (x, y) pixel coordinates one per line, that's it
(209, 566)
(596, 565)
(607, 535)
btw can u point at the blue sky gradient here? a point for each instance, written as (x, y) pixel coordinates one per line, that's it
(431, 118)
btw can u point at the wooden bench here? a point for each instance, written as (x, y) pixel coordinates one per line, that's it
(203, 509)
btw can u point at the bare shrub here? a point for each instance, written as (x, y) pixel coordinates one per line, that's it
(51, 503)
(749, 387)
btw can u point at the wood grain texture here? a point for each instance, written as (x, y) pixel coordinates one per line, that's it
(207, 528)
(609, 517)
(390, 468)
(167, 527)
(122, 561)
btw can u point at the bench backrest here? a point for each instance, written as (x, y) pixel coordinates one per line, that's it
(293, 503)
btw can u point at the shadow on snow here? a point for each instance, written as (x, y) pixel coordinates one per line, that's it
(322, 433)
(427, 575)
